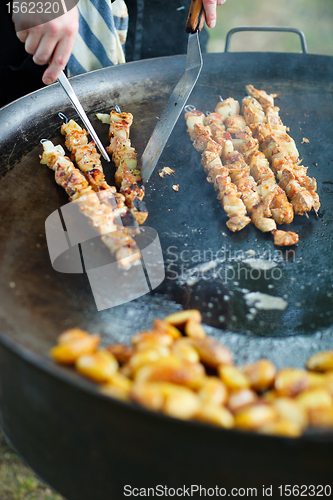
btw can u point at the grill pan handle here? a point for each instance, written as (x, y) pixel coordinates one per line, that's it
(266, 28)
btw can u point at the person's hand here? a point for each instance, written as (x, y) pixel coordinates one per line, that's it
(51, 42)
(210, 11)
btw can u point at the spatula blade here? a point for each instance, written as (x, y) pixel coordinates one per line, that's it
(173, 108)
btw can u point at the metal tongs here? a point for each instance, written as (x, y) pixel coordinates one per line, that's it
(180, 94)
(64, 82)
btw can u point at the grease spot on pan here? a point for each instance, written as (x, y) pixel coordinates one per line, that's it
(264, 301)
(260, 264)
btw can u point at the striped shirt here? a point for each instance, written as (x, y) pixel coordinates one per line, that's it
(102, 35)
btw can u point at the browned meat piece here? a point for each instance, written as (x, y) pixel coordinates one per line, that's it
(284, 238)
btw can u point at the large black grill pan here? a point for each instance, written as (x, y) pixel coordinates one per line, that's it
(85, 445)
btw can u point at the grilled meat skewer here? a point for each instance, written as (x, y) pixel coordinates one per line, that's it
(128, 176)
(102, 215)
(217, 173)
(280, 149)
(88, 160)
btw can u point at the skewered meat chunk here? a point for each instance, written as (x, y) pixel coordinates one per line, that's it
(240, 175)
(124, 170)
(213, 119)
(213, 147)
(282, 211)
(51, 154)
(237, 223)
(247, 147)
(131, 189)
(76, 135)
(237, 124)
(232, 203)
(127, 155)
(316, 201)
(259, 166)
(285, 238)
(261, 96)
(123, 246)
(203, 134)
(139, 210)
(261, 217)
(277, 141)
(301, 199)
(66, 175)
(274, 120)
(212, 165)
(219, 133)
(227, 107)
(120, 124)
(212, 138)
(298, 188)
(117, 143)
(253, 111)
(192, 118)
(227, 145)
(250, 198)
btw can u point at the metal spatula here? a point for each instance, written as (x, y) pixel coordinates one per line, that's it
(179, 95)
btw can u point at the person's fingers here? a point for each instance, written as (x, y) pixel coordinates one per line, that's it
(46, 47)
(59, 60)
(33, 41)
(210, 11)
(22, 35)
(51, 42)
(63, 48)
(57, 64)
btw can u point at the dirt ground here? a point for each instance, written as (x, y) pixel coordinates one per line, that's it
(17, 481)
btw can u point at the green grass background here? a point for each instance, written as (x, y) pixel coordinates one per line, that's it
(313, 17)
(17, 481)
